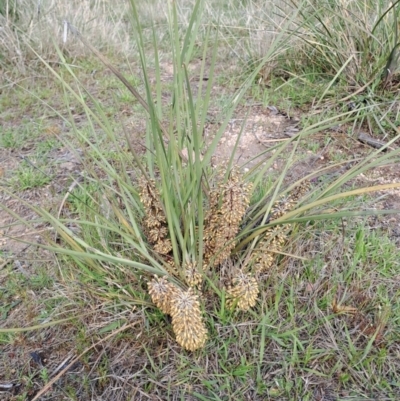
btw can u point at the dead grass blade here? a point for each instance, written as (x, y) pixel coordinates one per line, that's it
(62, 372)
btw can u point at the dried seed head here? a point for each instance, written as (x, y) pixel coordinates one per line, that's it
(149, 196)
(154, 223)
(170, 266)
(273, 241)
(156, 235)
(161, 292)
(268, 248)
(187, 321)
(244, 290)
(163, 246)
(280, 207)
(300, 191)
(192, 276)
(287, 203)
(228, 204)
(264, 261)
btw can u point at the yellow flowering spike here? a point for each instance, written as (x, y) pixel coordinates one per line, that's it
(192, 277)
(187, 321)
(244, 290)
(161, 292)
(228, 204)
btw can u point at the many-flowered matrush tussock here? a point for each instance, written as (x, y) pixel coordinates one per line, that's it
(227, 204)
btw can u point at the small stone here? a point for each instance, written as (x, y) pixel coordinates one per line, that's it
(67, 166)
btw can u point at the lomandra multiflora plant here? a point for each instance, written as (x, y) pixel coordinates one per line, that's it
(227, 204)
(166, 222)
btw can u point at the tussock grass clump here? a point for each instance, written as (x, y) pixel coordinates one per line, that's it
(227, 206)
(354, 41)
(185, 230)
(346, 58)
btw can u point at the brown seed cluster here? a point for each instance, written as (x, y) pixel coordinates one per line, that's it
(162, 293)
(184, 307)
(300, 191)
(228, 204)
(274, 239)
(243, 290)
(187, 321)
(280, 207)
(154, 222)
(288, 202)
(192, 276)
(271, 245)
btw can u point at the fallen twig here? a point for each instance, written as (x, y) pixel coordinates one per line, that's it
(366, 139)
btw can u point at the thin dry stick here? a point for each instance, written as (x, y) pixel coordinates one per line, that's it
(54, 379)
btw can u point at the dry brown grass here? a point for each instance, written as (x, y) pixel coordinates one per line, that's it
(39, 27)
(36, 27)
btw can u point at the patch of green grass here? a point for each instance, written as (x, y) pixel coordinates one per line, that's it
(290, 92)
(41, 279)
(47, 145)
(9, 139)
(28, 176)
(313, 146)
(6, 338)
(22, 136)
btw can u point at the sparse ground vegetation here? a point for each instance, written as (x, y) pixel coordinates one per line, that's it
(200, 200)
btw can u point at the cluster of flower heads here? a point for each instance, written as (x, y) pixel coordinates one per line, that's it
(271, 244)
(228, 202)
(154, 222)
(184, 308)
(243, 291)
(274, 239)
(192, 277)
